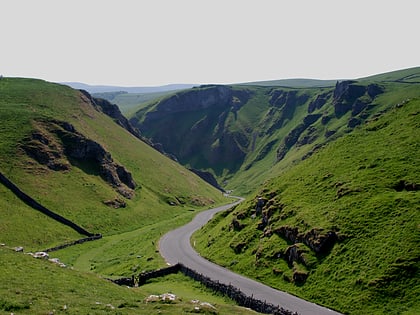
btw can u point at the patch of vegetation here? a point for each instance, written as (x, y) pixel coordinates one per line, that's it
(37, 286)
(360, 187)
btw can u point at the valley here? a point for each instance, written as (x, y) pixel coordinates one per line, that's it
(330, 173)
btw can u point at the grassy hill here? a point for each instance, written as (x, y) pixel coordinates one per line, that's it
(33, 286)
(30, 107)
(295, 83)
(245, 134)
(331, 173)
(59, 147)
(337, 170)
(340, 228)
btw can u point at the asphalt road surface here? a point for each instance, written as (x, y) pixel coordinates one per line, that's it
(175, 247)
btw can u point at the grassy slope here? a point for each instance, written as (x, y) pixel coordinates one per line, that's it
(254, 118)
(79, 195)
(125, 253)
(375, 269)
(21, 225)
(247, 179)
(40, 287)
(411, 75)
(159, 179)
(398, 88)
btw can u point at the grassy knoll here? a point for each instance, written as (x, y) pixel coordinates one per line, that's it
(361, 187)
(32, 286)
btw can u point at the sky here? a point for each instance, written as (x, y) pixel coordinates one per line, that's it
(159, 42)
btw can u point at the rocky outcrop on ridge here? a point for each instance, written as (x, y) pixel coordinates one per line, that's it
(294, 135)
(57, 145)
(193, 122)
(198, 99)
(348, 95)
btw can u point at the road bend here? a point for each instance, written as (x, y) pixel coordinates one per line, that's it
(175, 247)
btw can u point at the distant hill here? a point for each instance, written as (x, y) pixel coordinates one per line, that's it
(130, 102)
(294, 83)
(139, 89)
(247, 133)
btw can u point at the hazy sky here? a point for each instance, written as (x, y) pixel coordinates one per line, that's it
(156, 42)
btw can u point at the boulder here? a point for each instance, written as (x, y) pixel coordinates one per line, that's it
(42, 255)
(317, 240)
(299, 277)
(236, 225)
(318, 102)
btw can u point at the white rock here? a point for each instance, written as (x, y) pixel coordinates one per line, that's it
(43, 255)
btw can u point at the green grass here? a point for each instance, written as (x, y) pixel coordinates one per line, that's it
(33, 286)
(123, 254)
(348, 187)
(79, 195)
(21, 225)
(406, 75)
(160, 180)
(259, 122)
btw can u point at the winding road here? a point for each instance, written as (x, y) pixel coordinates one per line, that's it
(175, 247)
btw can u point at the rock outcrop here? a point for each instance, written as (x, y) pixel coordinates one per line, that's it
(318, 102)
(57, 145)
(193, 122)
(293, 136)
(351, 96)
(198, 99)
(318, 240)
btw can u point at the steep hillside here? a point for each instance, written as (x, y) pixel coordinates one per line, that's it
(61, 147)
(245, 134)
(77, 158)
(332, 175)
(342, 227)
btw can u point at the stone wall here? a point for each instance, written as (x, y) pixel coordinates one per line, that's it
(37, 206)
(228, 290)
